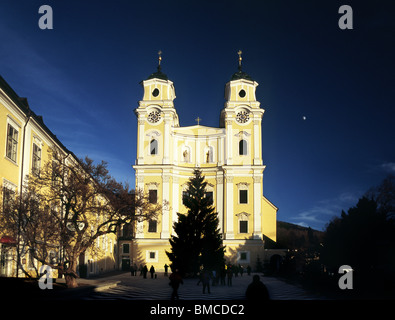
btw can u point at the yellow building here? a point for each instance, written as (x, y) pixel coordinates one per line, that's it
(229, 156)
(25, 141)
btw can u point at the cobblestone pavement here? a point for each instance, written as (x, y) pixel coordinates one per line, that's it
(138, 288)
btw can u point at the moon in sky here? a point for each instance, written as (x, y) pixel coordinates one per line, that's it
(304, 117)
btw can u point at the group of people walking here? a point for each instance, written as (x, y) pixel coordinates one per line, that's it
(224, 275)
(255, 291)
(143, 271)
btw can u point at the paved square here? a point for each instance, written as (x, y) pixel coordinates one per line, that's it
(138, 288)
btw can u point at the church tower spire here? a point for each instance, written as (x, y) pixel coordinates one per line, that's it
(158, 74)
(240, 58)
(156, 115)
(242, 113)
(240, 74)
(159, 59)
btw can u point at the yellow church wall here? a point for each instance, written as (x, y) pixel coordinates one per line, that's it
(269, 219)
(154, 182)
(240, 85)
(165, 93)
(243, 207)
(149, 134)
(223, 164)
(142, 248)
(252, 249)
(249, 137)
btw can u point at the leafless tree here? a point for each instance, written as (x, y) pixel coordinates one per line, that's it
(66, 206)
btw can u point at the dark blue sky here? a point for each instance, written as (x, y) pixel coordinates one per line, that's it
(83, 77)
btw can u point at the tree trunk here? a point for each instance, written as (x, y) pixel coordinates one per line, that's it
(71, 275)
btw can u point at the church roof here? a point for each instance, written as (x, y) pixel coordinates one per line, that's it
(241, 75)
(158, 75)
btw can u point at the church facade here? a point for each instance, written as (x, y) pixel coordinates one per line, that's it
(229, 156)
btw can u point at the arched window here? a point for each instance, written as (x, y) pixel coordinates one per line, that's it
(154, 146)
(242, 147)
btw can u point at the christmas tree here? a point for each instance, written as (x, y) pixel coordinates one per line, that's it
(197, 241)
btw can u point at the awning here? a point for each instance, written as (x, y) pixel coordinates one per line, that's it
(7, 240)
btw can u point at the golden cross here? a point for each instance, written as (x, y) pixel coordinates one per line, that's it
(160, 56)
(198, 120)
(240, 58)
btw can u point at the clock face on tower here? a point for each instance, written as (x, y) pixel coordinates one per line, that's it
(242, 117)
(154, 116)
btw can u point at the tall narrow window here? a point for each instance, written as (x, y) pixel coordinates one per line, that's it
(36, 159)
(153, 147)
(243, 196)
(242, 147)
(243, 226)
(125, 248)
(12, 142)
(153, 196)
(243, 222)
(152, 226)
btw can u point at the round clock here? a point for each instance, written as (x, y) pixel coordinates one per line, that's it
(154, 116)
(242, 117)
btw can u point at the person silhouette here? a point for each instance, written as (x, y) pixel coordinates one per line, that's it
(152, 271)
(205, 279)
(175, 281)
(256, 290)
(145, 271)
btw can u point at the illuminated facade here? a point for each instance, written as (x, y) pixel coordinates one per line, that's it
(229, 156)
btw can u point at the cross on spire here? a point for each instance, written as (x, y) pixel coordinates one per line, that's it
(159, 59)
(198, 120)
(240, 58)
